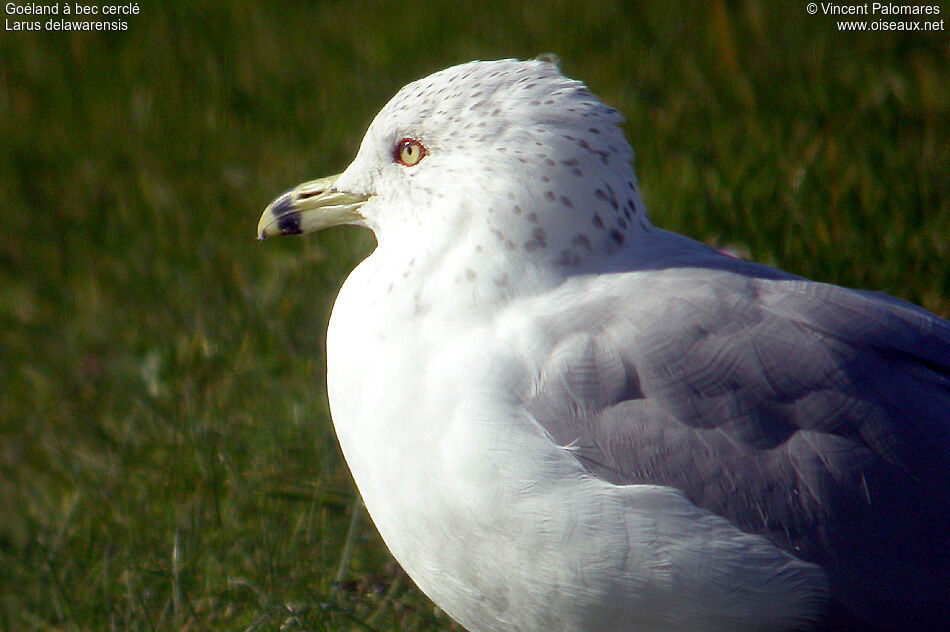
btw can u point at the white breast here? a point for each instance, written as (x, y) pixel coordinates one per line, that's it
(500, 526)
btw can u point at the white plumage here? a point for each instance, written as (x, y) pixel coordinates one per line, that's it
(561, 417)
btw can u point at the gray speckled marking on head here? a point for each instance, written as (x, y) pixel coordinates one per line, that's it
(629, 209)
(568, 258)
(582, 241)
(538, 240)
(612, 197)
(539, 235)
(523, 133)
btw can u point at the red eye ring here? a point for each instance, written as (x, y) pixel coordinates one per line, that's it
(408, 152)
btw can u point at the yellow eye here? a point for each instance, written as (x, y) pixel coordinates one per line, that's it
(409, 152)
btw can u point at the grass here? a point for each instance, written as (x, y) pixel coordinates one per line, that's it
(166, 457)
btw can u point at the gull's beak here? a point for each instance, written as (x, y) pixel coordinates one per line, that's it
(310, 207)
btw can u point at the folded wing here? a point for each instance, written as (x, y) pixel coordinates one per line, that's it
(816, 416)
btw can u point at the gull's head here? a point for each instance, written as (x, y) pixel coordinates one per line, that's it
(505, 156)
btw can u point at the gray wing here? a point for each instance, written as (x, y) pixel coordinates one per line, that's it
(816, 416)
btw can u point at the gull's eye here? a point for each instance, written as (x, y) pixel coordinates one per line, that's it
(409, 152)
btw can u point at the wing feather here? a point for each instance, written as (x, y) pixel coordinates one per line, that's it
(810, 414)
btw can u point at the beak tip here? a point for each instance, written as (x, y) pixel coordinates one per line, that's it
(309, 207)
(262, 232)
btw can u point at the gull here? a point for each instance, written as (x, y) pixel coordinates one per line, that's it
(561, 417)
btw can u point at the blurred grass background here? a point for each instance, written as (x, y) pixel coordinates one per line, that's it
(166, 457)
